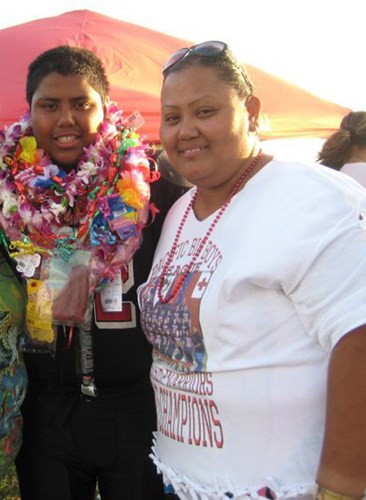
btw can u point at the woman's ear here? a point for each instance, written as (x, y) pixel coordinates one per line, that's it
(253, 105)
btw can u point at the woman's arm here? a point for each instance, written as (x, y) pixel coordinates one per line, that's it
(342, 466)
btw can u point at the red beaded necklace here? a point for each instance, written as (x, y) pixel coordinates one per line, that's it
(183, 276)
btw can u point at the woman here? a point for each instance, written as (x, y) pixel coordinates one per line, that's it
(255, 304)
(75, 184)
(345, 150)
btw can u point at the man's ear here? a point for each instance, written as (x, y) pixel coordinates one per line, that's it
(105, 108)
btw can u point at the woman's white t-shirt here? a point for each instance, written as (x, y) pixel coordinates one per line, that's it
(241, 352)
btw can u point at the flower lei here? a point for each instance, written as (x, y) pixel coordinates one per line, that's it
(101, 206)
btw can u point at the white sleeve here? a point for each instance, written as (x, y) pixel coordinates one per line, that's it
(327, 266)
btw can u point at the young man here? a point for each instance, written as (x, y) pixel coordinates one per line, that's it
(74, 441)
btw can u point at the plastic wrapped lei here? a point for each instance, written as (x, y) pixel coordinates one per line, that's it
(87, 221)
(104, 201)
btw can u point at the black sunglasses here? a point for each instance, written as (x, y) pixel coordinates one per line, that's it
(205, 49)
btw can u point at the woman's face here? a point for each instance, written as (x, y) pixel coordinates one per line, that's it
(65, 114)
(204, 126)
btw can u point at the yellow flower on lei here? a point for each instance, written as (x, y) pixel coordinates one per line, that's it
(129, 193)
(29, 149)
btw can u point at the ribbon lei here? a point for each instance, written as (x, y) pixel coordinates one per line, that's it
(72, 232)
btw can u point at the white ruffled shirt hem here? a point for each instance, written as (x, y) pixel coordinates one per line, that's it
(222, 489)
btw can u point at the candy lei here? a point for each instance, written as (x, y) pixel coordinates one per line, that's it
(104, 200)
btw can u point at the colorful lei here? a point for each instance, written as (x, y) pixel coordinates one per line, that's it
(101, 206)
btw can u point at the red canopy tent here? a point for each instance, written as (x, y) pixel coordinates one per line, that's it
(133, 58)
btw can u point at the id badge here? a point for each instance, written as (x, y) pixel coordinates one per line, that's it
(111, 295)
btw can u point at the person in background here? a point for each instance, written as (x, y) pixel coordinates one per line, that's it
(13, 377)
(79, 436)
(345, 150)
(255, 304)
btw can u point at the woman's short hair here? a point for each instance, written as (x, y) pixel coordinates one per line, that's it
(229, 69)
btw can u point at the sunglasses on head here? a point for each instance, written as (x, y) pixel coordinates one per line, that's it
(205, 49)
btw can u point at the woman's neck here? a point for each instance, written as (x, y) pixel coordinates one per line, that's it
(357, 154)
(209, 200)
(356, 160)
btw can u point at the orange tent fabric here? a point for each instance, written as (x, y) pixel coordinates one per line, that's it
(133, 58)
